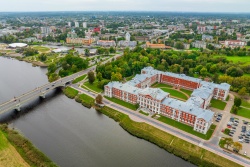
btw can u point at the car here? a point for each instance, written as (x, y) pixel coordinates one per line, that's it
(230, 134)
(235, 124)
(47, 88)
(217, 120)
(245, 122)
(220, 115)
(236, 121)
(231, 119)
(235, 150)
(229, 126)
(233, 127)
(53, 85)
(240, 137)
(245, 153)
(246, 141)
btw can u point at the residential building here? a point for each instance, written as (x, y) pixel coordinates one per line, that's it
(73, 39)
(106, 43)
(207, 38)
(127, 42)
(69, 24)
(235, 43)
(186, 46)
(193, 112)
(76, 24)
(155, 46)
(84, 24)
(199, 44)
(46, 31)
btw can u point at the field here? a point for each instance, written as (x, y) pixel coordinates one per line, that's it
(245, 103)
(244, 112)
(218, 104)
(93, 86)
(236, 59)
(41, 49)
(189, 92)
(187, 128)
(70, 92)
(8, 154)
(175, 93)
(122, 103)
(79, 79)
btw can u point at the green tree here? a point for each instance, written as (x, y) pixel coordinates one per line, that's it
(213, 69)
(116, 76)
(237, 101)
(99, 76)
(87, 52)
(98, 99)
(91, 76)
(42, 57)
(203, 71)
(112, 50)
(242, 91)
(248, 43)
(229, 141)
(234, 109)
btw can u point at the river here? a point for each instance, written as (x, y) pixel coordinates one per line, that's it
(70, 134)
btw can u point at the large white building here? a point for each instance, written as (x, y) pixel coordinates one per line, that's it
(84, 24)
(76, 24)
(193, 112)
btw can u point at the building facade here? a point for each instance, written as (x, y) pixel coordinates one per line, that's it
(193, 112)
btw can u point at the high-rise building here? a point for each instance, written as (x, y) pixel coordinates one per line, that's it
(76, 24)
(69, 24)
(84, 24)
(46, 31)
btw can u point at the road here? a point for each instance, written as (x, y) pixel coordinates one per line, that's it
(208, 145)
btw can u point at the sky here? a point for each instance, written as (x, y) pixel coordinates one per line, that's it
(234, 6)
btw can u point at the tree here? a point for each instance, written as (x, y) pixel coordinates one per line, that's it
(179, 45)
(237, 146)
(116, 76)
(98, 99)
(234, 71)
(99, 76)
(234, 109)
(237, 101)
(112, 50)
(229, 141)
(42, 57)
(91, 76)
(86, 52)
(203, 71)
(242, 91)
(248, 43)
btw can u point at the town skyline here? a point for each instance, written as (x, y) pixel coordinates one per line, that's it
(206, 6)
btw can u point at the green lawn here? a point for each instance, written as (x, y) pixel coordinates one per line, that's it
(244, 112)
(236, 59)
(218, 104)
(189, 92)
(187, 128)
(244, 103)
(123, 103)
(79, 79)
(41, 48)
(175, 93)
(70, 92)
(86, 98)
(93, 86)
(159, 85)
(144, 113)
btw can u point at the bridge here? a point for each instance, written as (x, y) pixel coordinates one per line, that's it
(17, 102)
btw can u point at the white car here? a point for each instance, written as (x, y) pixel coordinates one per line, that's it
(240, 140)
(245, 153)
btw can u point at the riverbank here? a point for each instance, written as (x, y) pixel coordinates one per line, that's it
(187, 151)
(29, 153)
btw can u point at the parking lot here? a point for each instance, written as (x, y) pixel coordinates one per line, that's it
(240, 131)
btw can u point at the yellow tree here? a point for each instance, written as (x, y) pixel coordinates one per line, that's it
(237, 146)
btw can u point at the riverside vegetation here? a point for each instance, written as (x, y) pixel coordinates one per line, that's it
(185, 150)
(24, 147)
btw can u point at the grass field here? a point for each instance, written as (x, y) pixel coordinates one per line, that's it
(189, 92)
(93, 86)
(245, 103)
(187, 128)
(86, 98)
(144, 113)
(8, 154)
(175, 93)
(122, 103)
(236, 59)
(159, 85)
(79, 79)
(218, 104)
(41, 49)
(244, 112)
(70, 92)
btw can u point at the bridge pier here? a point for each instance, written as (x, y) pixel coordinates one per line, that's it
(43, 95)
(18, 107)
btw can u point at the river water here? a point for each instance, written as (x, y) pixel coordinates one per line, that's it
(70, 134)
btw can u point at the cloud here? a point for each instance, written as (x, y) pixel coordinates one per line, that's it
(127, 5)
